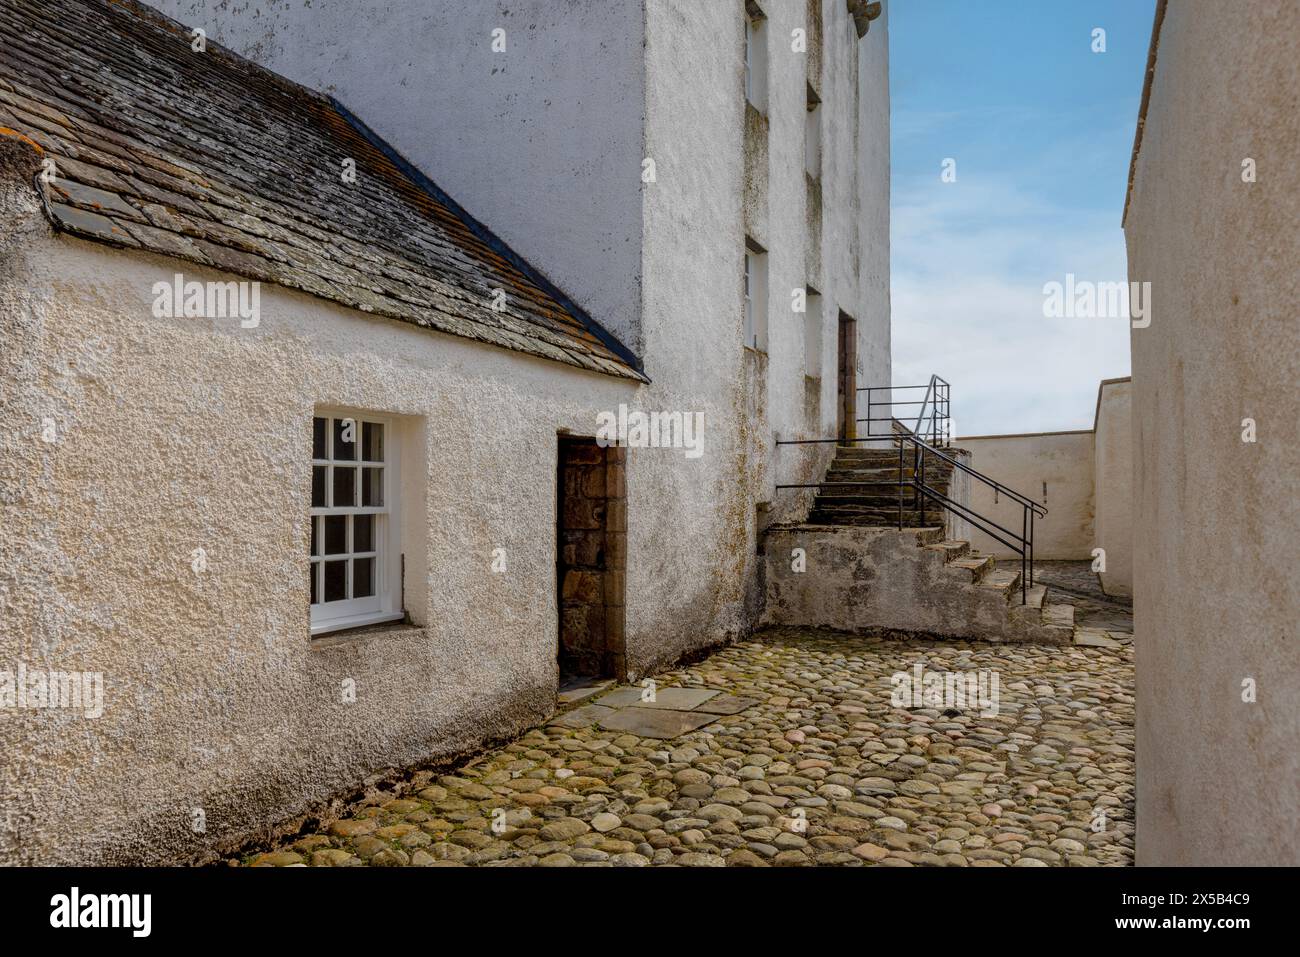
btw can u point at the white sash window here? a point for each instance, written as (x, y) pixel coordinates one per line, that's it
(355, 557)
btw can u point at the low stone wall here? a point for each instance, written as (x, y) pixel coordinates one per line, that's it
(1052, 468)
(858, 578)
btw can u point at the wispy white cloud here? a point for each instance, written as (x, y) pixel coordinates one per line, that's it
(969, 263)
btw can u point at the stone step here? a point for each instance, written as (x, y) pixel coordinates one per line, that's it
(1059, 616)
(881, 475)
(885, 456)
(979, 566)
(932, 464)
(951, 549)
(879, 498)
(836, 481)
(1004, 580)
(885, 459)
(1027, 614)
(929, 536)
(1034, 599)
(865, 503)
(885, 510)
(1095, 638)
(875, 518)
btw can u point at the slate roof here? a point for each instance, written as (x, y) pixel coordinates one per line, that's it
(210, 158)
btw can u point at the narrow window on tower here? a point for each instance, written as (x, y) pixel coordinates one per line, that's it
(813, 136)
(755, 316)
(755, 56)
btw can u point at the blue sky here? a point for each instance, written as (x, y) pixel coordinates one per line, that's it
(1041, 129)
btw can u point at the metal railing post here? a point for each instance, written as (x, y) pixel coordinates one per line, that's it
(1031, 546)
(937, 430)
(900, 483)
(1024, 531)
(920, 492)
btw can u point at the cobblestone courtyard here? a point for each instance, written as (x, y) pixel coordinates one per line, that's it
(822, 769)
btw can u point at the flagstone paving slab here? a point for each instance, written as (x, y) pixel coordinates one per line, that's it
(1075, 582)
(677, 699)
(576, 689)
(583, 717)
(727, 704)
(623, 697)
(1094, 638)
(659, 723)
(826, 767)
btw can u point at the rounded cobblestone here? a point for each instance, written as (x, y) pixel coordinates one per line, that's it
(823, 770)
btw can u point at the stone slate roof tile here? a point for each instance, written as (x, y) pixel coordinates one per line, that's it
(209, 158)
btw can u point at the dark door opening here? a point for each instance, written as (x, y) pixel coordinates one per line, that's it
(591, 549)
(847, 397)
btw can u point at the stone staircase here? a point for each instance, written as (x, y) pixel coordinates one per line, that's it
(863, 572)
(1030, 617)
(878, 505)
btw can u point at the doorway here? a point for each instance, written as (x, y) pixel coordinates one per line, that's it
(847, 393)
(591, 557)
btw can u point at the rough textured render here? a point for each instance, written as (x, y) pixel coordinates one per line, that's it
(207, 157)
(171, 434)
(140, 439)
(175, 434)
(1216, 595)
(1061, 460)
(582, 94)
(1113, 461)
(859, 579)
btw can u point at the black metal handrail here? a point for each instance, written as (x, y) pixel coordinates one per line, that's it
(992, 483)
(937, 398)
(1022, 544)
(935, 395)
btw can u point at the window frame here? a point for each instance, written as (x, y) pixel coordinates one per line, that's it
(748, 335)
(756, 67)
(385, 605)
(814, 333)
(812, 152)
(754, 312)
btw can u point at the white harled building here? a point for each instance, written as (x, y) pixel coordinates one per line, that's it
(355, 517)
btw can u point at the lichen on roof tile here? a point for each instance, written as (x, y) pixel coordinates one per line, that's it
(210, 158)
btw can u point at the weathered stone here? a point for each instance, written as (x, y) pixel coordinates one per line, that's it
(655, 723)
(564, 829)
(835, 776)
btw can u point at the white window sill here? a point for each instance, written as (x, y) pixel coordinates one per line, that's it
(355, 621)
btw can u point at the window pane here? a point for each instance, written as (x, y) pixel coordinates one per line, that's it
(363, 533)
(363, 577)
(345, 439)
(372, 435)
(336, 534)
(318, 438)
(345, 487)
(318, 486)
(372, 492)
(314, 543)
(336, 581)
(312, 576)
